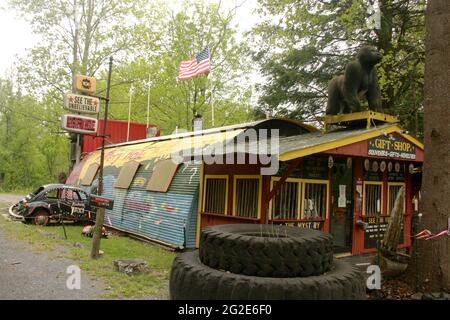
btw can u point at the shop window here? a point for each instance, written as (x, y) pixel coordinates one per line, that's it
(126, 175)
(393, 189)
(215, 197)
(90, 174)
(163, 173)
(285, 204)
(247, 196)
(315, 200)
(373, 198)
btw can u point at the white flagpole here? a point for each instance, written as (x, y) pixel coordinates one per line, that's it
(148, 101)
(210, 89)
(129, 112)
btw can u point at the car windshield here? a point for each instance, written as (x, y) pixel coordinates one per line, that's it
(37, 191)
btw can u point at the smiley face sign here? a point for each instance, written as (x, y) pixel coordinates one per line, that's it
(85, 84)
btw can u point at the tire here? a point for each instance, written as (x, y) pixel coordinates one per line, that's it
(192, 280)
(41, 217)
(295, 252)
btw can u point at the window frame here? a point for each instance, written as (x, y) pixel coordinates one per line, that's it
(398, 184)
(327, 197)
(205, 181)
(243, 177)
(155, 169)
(380, 183)
(299, 195)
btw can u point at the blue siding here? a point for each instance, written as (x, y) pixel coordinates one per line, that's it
(169, 217)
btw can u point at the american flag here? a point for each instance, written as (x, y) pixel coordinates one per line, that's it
(195, 66)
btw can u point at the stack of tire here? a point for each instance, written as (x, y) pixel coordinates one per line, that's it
(264, 262)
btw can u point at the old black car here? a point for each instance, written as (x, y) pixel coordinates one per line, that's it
(54, 202)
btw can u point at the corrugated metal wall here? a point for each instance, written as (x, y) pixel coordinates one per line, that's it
(169, 217)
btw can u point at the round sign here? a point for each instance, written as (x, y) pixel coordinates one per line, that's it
(375, 166)
(367, 164)
(330, 162)
(390, 166)
(349, 162)
(411, 168)
(383, 166)
(397, 167)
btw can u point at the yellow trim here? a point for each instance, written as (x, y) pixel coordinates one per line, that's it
(346, 141)
(259, 178)
(272, 180)
(199, 206)
(380, 183)
(315, 181)
(363, 115)
(216, 176)
(399, 184)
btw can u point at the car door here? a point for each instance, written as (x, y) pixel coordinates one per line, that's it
(66, 200)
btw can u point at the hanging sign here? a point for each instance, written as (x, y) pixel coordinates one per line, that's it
(101, 202)
(85, 84)
(391, 147)
(79, 124)
(81, 103)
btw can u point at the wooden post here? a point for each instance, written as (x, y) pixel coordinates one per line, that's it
(100, 218)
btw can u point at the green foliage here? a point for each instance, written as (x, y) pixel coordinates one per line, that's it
(311, 41)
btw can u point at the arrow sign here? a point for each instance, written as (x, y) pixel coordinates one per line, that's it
(82, 104)
(79, 124)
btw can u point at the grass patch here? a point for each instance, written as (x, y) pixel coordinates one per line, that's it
(77, 248)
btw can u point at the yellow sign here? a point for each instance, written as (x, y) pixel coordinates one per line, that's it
(85, 84)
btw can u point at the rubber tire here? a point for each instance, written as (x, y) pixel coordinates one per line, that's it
(41, 212)
(301, 252)
(192, 280)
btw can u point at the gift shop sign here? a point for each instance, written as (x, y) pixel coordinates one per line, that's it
(391, 147)
(82, 104)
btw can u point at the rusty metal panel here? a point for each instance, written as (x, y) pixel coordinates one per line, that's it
(162, 176)
(126, 175)
(90, 174)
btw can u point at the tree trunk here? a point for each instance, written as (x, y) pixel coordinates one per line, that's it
(434, 254)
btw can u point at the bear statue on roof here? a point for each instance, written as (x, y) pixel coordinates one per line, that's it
(359, 80)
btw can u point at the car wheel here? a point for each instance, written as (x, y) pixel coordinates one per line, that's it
(41, 217)
(266, 250)
(192, 280)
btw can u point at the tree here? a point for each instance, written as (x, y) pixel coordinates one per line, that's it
(435, 253)
(173, 102)
(303, 43)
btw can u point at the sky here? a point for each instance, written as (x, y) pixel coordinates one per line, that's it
(16, 36)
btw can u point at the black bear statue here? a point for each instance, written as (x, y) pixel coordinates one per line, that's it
(359, 80)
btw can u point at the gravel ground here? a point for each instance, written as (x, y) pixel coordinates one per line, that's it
(29, 275)
(10, 198)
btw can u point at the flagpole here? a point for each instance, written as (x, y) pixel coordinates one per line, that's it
(210, 89)
(148, 100)
(129, 112)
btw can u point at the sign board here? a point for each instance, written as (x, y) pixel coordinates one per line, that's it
(79, 124)
(101, 202)
(82, 104)
(371, 234)
(85, 84)
(392, 146)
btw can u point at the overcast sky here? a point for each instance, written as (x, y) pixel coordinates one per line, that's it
(16, 36)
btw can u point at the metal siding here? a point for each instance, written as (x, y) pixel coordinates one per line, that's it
(168, 217)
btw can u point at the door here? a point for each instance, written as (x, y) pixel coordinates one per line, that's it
(341, 215)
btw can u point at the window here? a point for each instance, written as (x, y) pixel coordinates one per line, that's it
(163, 173)
(126, 175)
(315, 195)
(247, 196)
(215, 197)
(373, 198)
(90, 174)
(393, 189)
(68, 194)
(52, 194)
(286, 203)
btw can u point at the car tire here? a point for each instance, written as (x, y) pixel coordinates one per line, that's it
(41, 217)
(192, 280)
(281, 252)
